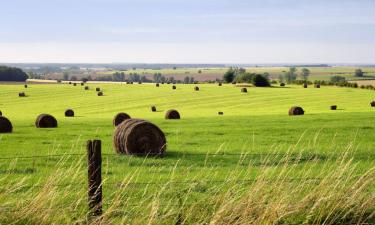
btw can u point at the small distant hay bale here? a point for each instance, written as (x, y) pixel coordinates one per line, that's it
(5, 125)
(25, 86)
(234, 82)
(296, 111)
(168, 82)
(162, 82)
(282, 84)
(139, 82)
(305, 85)
(97, 89)
(153, 108)
(69, 113)
(82, 84)
(220, 84)
(372, 104)
(119, 118)
(174, 87)
(70, 82)
(317, 85)
(100, 93)
(172, 114)
(75, 84)
(87, 88)
(196, 88)
(333, 107)
(244, 90)
(22, 94)
(139, 137)
(220, 113)
(45, 121)
(157, 85)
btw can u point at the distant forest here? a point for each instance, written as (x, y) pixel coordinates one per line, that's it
(12, 74)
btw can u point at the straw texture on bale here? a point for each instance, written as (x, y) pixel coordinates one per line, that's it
(196, 88)
(333, 107)
(296, 111)
(372, 104)
(100, 93)
(172, 114)
(22, 94)
(139, 137)
(45, 121)
(97, 89)
(282, 84)
(304, 85)
(153, 108)
(244, 90)
(69, 113)
(5, 125)
(119, 118)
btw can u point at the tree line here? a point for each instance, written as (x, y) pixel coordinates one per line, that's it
(12, 74)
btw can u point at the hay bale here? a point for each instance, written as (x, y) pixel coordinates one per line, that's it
(139, 82)
(162, 82)
(87, 88)
(172, 114)
(69, 113)
(234, 82)
(220, 113)
(153, 108)
(100, 93)
(244, 90)
(317, 85)
(282, 84)
(372, 104)
(196, 88)
(333, 107)
(25, 86)
(45, 121)
(75, 84)
(119, 118)
(97, 89)
(139, 137)
(5, 125)
(296, 111)
(22, 94)
(157, 85)
(220, 84)
(174, 87)
(304, 85)
(70, 82)
(1, 113)
(82, 84)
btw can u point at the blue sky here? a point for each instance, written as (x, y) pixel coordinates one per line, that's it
(188, 31)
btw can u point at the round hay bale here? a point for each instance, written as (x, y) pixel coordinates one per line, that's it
(372, 104)
(162, 82)
(69, 113)
(119, 118)
(333, 107)
(100, 93)
(22, 94)
(220, 113)
(282, 84)
(45, 121)
(196, 88)
(75, 84)
(82, 84)
(157, 85)
(317, 85)
(139, 137)
(25, 86)
(172, 114)
(97, 89)
(296, 111)
(153, 108)
(220, 84)
(87, 88)
(70, 82)
(174, 87)
(234, 82)
(244, 90)
(305, 85)
(5, 125)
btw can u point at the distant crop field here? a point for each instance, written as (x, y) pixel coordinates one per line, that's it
(255, 162)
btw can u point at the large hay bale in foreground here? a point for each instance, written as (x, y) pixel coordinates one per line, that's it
(139, 137)
(172, 114)
(372, 104)
(5, 125)
(296, 111)
(196, 88)
(333, 107)
(69, 113)
(244, 90)
(119, 118)
(22, 94)
(45, 121)
(153, 108)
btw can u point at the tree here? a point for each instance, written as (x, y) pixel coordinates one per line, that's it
(305, 73)
(229, 75)
(12, 74)
(245, 78)
(358, 73)
(290, 75)
(260, 81)
(186, 80)
(66, 75)
(338, 79)
(119, 76)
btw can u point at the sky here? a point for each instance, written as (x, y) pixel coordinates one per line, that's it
(187, 31)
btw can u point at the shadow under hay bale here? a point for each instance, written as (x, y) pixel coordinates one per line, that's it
(100, 93)
(69, 113)
(139, 137)
(317, 85)
(5, 125)
(333, 107)
(87, 88)
(153, 108)
(172, 114)
(244, 90)
(296, 111)
(372, 104)
(305, 85)
(119, 118)
(220, 113)
(157, 85)
(97, 89)
(45, 121)
(282, 84)
(196, 88)
(174, 87)
(22, 94)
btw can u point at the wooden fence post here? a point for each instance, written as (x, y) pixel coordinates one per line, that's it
(94, 157)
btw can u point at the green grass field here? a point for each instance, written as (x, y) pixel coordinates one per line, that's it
(205, 154)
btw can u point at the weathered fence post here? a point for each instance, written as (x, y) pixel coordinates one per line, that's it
(94, 157)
